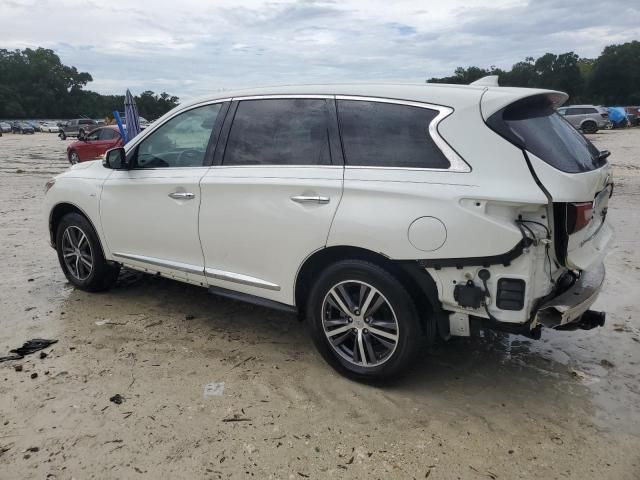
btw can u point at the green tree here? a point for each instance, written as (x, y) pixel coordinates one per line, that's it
(611, 79)
(35, 84)
(615, 77)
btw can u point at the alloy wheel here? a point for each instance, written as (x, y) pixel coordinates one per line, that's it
(74, 158)
(360, 323)
(77, 254)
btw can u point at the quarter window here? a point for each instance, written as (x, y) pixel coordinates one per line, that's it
(181, 141)
(279, 132)
(380, 134)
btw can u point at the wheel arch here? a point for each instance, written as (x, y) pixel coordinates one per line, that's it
(415, 279)
(59, 211)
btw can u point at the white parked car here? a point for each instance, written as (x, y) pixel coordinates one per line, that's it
(391, 216)
(49, 127)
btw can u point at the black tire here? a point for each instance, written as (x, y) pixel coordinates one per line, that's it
(589, 127)
(101, 275)
(400, 307)
(62, 136)
(73, 157)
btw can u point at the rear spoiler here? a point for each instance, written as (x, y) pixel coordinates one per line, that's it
(495, 99)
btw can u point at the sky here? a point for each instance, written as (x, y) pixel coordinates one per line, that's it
(195, 47)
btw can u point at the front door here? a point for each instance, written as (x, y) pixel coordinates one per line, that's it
(269, 201)
(150, 212)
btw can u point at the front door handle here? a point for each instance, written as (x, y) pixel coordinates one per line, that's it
(182, 195)
(310, 199)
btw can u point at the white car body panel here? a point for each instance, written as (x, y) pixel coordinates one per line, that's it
(249, 224)
(140, 219)
(588, 246)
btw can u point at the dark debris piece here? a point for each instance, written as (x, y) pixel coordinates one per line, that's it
(28, 348)
(117, 399)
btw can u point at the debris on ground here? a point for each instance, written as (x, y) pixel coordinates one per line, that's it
(584, 377)
(606, 363)
(34, 375)
(117, 399)
(189, 317)
(236, 418)
(18, 368)
(108, 321)
(213, 389)
(28, 348)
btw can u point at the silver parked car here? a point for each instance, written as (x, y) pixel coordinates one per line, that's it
(587, 118)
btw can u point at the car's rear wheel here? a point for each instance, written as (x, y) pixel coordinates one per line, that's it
(62, 136)
(81, 257)
(73, 157)
(589, 127)
(363, 321)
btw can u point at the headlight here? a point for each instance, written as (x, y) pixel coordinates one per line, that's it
(48, 185)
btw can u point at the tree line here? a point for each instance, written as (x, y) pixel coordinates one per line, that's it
(35, 84)
(611, 79)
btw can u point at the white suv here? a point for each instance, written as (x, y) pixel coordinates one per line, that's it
(390, 216)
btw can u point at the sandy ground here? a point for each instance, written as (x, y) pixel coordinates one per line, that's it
(500, 407)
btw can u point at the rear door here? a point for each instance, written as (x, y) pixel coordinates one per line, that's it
(268, 202)
(574, 116)
(573, 172)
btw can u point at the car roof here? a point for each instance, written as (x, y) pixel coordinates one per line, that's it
(456, 96)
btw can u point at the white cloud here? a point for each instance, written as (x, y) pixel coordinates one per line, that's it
(192, 47)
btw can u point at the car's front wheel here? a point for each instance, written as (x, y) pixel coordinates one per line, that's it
(62, 136)
(363, 321)
(81, 257)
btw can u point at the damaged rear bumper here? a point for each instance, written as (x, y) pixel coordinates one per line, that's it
(570, 309)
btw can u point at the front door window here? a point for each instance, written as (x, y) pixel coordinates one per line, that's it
(180, 142)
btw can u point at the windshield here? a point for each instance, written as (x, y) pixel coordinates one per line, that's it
(534, 125)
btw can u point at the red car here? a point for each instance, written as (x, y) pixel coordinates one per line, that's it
(94, 144)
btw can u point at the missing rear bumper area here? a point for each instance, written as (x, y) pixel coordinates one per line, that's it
(570, 309)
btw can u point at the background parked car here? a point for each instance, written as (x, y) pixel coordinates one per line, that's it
(5, 127)
(24, 127)
(633, 114)
(77, 127)
(94, 144)
(588, 118)
(49, 127)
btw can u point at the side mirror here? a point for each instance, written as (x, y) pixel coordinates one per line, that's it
(116, 159)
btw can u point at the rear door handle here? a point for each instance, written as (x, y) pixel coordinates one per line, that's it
(310, 199)
(183, 195)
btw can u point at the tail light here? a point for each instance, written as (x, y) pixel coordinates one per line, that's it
(578, 216)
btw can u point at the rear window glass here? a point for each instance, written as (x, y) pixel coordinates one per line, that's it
(533, 124)
(381, 134)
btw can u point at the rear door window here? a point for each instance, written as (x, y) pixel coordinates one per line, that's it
(108, 134)
(534, 125)
(378, 134)
(292, 131)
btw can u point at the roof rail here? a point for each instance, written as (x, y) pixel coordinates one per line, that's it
(488, 81)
